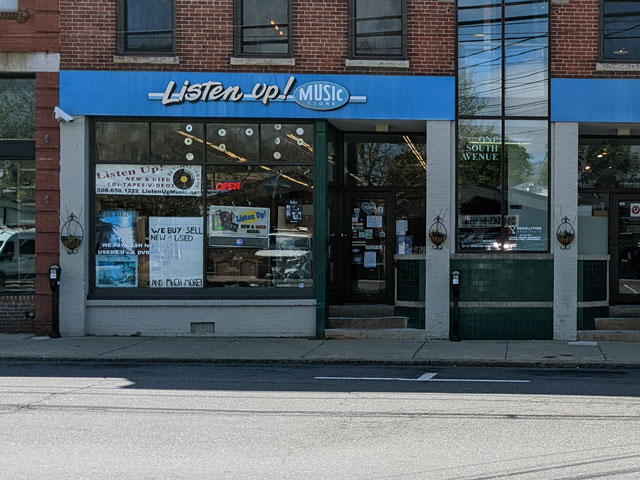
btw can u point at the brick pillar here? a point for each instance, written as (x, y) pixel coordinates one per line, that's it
(47, 194)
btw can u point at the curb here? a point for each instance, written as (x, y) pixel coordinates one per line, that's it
(334, 361)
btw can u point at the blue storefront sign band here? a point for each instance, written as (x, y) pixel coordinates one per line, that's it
(256, 95)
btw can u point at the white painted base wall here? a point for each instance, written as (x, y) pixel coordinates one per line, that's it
(165, 318)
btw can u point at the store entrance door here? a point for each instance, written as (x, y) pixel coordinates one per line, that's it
(625, 249)
(370, 247)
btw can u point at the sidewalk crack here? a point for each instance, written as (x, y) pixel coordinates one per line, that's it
(314, 349)
(506, 350)
(419, 348)
(127, 346)
(603, 355)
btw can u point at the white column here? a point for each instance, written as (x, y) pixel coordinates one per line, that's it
(440, 201)
(564, 201)
(74, 198)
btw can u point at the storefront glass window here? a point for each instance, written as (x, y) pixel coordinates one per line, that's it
(378, 28)
(479, 58)
(122, 142)
(479, 184)
(17, 185)
(385, 160)
(264, 27)
(189, 219)
(526, 55)
(286, 143)
(621, 30)
(411, 222)
(260, 226)
(171, 142)
(527, 202)
(607, 163)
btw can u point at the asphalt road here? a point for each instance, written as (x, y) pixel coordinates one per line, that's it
(273, 422)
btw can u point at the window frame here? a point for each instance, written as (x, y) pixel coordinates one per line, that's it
(205, 292)
(122, 33)
(601, 57)
(237, 33)
(352, 36)
(503, 118)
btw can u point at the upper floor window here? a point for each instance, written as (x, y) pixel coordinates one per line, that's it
(8, 5)
(378, 28)
(263, 28)
(146, 27)
(621, 30)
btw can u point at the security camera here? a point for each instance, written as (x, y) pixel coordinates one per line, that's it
(61, 116)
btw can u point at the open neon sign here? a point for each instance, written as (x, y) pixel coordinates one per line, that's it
(225, 187)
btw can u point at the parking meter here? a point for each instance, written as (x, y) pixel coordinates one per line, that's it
(54, 283)
(455, 283)
(456, 278)
(54, 277)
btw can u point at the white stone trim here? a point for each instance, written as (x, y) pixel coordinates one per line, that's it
(146, 59)
(263, 61)
(600, 303)
(617, 67)
(377, 63)
(406, 304)
(29, 62)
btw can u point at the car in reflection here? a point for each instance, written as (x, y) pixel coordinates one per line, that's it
(17, 259)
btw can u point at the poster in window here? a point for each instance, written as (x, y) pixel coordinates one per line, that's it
(116, 232)
(293, 213)
(243, 222)
(175, 252)
(116, 271)
(169, 180)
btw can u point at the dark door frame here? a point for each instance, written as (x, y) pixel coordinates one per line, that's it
(615, 298)
(389, 242)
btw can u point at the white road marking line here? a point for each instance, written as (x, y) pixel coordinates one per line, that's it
(427, 377)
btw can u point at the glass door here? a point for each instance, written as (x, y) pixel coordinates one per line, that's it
(625, 249)
(371, 244)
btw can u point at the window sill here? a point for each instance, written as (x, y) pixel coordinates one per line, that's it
(272, 62)
(20, 16)
(617, 67)
(146, 59)
(377, 63)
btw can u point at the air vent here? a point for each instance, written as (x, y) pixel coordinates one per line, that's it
(203, 328)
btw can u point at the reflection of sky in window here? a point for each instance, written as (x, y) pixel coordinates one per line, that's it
(526, 58)
(265, 26)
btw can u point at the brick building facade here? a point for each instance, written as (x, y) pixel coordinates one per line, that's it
(29, 48)
(412, 85)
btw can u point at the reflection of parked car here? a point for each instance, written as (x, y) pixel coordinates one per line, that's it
(290, 257)
(17, 259)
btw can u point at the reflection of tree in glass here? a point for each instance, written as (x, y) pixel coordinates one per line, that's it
(17, 109)
(381, 164)
(608, 165)
(469, 103)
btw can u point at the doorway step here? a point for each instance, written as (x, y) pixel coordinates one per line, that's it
(369, 322)
(623, 325)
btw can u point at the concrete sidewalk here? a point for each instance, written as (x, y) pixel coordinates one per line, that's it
(299, 350)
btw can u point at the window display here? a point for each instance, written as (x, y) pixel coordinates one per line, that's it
(156, 227)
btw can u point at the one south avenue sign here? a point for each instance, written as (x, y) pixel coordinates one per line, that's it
(315, 95)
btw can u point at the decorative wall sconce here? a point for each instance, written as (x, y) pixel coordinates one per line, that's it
(565, 233)
(437, 233)
(71, 234)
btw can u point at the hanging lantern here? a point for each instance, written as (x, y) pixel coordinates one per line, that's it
(437, 233)
(71, 234)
